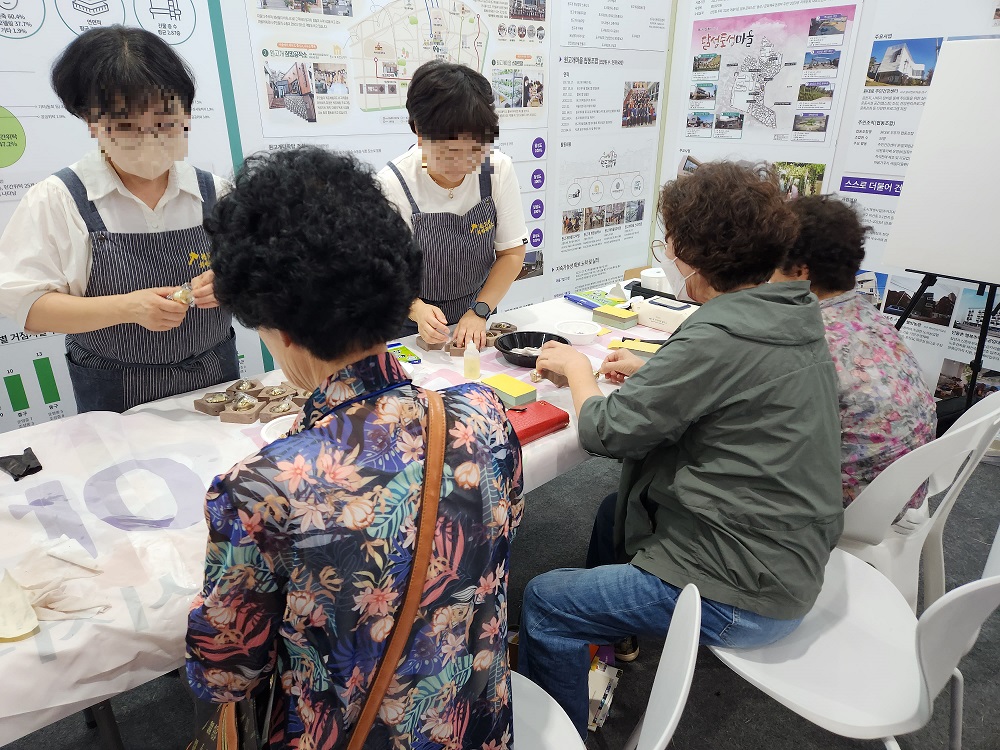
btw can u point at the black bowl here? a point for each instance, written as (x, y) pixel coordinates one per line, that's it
(521, 339)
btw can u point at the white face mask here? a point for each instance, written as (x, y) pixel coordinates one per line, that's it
(677, 280)
(146, 156)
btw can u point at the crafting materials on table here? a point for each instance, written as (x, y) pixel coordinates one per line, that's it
(643, 349)
(615, 317)
(512, 392)
(664, 314)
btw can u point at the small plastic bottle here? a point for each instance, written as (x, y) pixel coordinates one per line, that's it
(470, 360)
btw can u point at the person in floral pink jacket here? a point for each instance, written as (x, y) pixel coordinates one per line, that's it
(311, 539)
(886, 409)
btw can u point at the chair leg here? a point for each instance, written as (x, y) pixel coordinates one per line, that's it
(890, 743)
(88, 718)
(957, 700)
(932, 563)
(107, 727)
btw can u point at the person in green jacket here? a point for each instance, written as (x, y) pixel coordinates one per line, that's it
(730, 441)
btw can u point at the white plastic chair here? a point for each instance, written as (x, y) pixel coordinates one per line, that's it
(539, 722)
(861, 665)
(673, 676)
(946, 464)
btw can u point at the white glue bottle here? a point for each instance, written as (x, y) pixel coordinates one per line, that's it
(470, 360)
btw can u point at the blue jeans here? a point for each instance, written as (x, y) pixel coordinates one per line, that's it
(566, 610)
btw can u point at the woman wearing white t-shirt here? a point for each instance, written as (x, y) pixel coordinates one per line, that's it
(462, 201)
(97, 250)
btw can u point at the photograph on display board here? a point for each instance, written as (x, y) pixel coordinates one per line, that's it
(953, 382)
(816, 93)
(533, 265)
(593, 218)
(640, 103)
(634, 211)
(708, 63)
(809, 123)
(702, 94)
(996, 15)
(971, 313)
(936, 306)
(688, 165)
(290, 89)
(514, 89)
(871, 285)
(330, 79)
(819, 60)
(826, 26)
(529, 10)
(615, 215)
(798, 179)
(903, 62)
(320, 7)
(731, 121)
(572, 221)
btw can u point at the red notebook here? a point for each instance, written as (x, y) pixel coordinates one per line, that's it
(537, 419)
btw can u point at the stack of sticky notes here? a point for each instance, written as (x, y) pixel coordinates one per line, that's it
(643, 348)
(615, 317)
(511, 391)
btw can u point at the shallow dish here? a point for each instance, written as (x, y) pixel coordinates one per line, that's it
(579, 332)
(520, 340)
(277, 428)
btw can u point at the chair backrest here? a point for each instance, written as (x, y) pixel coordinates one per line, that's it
(992, 567)
(674, 673)
(869, 517)
(949, 627)
(944, 476)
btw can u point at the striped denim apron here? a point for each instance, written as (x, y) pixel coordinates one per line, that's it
(458, 249)
(116, 368)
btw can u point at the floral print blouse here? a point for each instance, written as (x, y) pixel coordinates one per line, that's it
(886, 409)
(310, 546)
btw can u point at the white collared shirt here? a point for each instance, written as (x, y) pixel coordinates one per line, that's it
(46, 245)
(432, 198)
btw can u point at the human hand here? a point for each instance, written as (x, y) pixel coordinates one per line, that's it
(471, 328)
(620, 364)
(203, 287)
(432, 325)
(560, 359)
(151, 309)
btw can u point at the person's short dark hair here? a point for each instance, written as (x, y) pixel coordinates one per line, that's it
(729, 221)
(447, 100)
(307, 244)
(831, 243)
(120, 71)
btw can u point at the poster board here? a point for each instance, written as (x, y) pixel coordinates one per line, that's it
(946, 219)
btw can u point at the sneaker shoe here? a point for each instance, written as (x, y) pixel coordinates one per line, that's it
(627, 649)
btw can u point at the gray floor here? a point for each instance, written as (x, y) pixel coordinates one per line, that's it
(722, 711)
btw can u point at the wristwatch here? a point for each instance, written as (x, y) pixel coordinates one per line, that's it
(482, 309)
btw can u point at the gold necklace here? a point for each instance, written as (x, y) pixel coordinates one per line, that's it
(451, 190)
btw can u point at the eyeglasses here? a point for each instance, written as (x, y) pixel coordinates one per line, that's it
(659, 249)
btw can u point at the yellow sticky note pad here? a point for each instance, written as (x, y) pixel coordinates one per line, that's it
(640, 347)
(511, 386)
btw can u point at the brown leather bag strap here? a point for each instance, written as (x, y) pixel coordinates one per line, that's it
(434, 439)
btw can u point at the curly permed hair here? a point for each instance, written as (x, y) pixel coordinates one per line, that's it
(831, 243)
(306, 243)
(729, 221)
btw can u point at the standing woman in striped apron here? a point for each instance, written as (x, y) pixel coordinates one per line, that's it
(97, 250)
(461, 199)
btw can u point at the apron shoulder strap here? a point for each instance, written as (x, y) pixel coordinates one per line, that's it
(86, 207)
(206, 184)
(406, 189)
(486, 180)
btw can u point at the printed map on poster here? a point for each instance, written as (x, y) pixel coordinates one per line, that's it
(768, 77)
(388, 46)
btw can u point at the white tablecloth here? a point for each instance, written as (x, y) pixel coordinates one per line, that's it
(130, 489)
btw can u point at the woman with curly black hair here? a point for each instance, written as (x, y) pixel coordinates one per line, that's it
(730, 441)
(886, 408)
(312, 541)
(461, 197)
